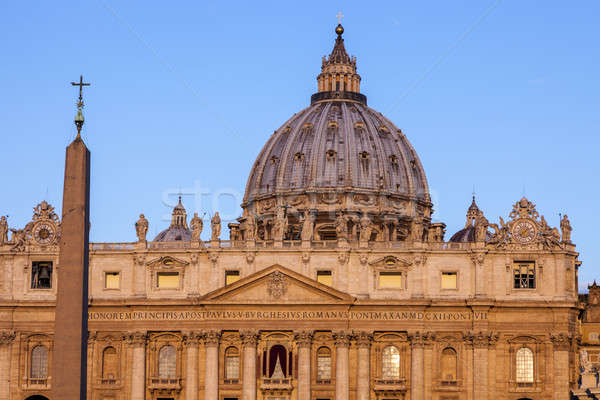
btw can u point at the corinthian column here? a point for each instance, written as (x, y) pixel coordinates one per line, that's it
(6, 339)
(304, 340)
(416, 366)
(560, 345)
(211, 381)
(481, 343)
(428, 341)
(137, 340)
(342, 377)
(363, 342)
(249, 341)
(192, 340)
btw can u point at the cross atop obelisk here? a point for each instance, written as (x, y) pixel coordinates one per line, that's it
(339, 17)
(79, 117)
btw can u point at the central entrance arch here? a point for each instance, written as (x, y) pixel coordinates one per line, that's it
(36, 397)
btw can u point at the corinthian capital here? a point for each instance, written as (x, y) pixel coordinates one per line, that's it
(136, 338)
(191, 338)
(303, 338)
(342, 338)
(560, 341)
(7, 337)
(249, 338)
(212, 337)
(363, 339)
(417, 339)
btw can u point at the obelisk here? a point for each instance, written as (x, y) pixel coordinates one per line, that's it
(69, 372)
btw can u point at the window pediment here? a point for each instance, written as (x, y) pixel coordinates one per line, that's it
(390, 262)
(167, 262)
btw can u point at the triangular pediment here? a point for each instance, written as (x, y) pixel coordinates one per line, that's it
(277, 285)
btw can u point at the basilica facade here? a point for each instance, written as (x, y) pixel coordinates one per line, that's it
(334, 284)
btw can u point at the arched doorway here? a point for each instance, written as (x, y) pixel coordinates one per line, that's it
(36, 397)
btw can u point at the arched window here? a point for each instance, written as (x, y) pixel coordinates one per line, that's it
(167, 367)
(391, 363)
(110, 363)
(524, 365)
(39, 362)
(277, 362)
(232, 363)
(449, 365)
(323, 363)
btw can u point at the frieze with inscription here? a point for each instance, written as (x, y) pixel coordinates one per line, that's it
(175, 315)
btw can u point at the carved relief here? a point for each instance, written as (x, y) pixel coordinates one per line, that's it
(364, 199)
(277, 285)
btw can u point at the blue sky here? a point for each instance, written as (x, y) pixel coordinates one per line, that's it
(500, 96)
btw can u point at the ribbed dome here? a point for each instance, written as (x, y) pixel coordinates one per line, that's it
(338, 144)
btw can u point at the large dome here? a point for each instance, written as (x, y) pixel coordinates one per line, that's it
(338, 161)
(341, 145)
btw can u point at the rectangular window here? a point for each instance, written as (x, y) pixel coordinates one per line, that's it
(325, 277)
(232, 367)
(448, 280)
(524, 275)
(41, 275)
(168, 280)
(231, 276)
(390, 280)
(112, 280)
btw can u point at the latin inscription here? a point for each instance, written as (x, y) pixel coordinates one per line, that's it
(286, 315)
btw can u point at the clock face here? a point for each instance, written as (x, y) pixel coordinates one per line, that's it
(43, 233)
(524, 231)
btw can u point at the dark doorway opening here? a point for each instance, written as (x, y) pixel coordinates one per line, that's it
(36, 397)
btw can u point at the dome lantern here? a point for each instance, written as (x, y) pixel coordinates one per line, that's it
(338, 77)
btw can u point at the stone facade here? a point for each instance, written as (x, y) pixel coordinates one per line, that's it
(348, 294)
(278, 301)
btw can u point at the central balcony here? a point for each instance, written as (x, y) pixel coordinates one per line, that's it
(276, 384)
